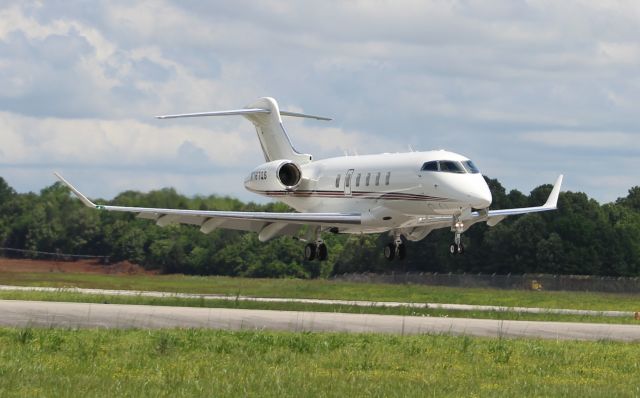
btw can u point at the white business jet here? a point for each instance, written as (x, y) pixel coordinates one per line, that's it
(406, 194)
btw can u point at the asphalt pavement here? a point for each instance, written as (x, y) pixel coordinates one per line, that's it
(16, 313)
(355, 303)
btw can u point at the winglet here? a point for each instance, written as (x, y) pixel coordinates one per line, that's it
(552, 201)
(79, 194)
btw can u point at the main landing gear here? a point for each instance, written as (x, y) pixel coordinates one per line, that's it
(457, 247)
(316, 250)
(396, 248)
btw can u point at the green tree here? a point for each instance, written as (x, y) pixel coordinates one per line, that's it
(581, 237)
(632, 200)
(6, 192)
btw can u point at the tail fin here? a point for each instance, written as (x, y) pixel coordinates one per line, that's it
(265, 116)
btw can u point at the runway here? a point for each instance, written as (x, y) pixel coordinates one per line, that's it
(355, 303)
(16, 313)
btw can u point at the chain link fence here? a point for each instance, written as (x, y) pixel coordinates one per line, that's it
(581, 283)
(57, 256)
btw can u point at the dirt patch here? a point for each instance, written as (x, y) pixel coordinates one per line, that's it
(80, 266)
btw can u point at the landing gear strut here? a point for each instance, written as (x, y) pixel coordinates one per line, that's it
(394, 249)
(457, 247)
(317, 250)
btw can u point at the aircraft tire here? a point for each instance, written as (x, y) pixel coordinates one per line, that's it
(460, 248)
(453, 249)
(402, 251)
(322, 252)
(310, 251)
(390, 251)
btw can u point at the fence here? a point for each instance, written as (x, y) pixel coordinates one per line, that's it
(51, 255)
(516, 282)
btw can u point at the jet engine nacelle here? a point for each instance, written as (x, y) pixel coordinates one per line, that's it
(274, 176)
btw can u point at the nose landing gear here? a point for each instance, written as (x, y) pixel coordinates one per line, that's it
(394, 249)
(457, 247)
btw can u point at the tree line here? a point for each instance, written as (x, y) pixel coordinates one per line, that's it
(581, 237)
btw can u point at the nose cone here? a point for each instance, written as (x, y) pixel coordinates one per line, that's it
(480, 195)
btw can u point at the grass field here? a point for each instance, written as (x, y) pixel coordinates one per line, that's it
(296, 288)
(209, 303)
(55, 362)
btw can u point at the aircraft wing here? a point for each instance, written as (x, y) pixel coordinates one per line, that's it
(491, 217)
(495, 216)
(268, 225)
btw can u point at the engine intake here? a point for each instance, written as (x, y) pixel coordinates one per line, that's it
(289, 175)
(274, 176)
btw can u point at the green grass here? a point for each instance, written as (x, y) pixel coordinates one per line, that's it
(209, 303)
(65, 363)
(296, 288)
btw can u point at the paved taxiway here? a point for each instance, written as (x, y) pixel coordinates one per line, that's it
(83, 315)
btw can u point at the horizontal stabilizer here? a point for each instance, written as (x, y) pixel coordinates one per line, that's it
(247, 111)
(296, 114)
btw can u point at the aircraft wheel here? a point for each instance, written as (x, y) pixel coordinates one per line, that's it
(402, 251)
(310, 251)
(390, 251)
(322, 252)
(453, 249)
(460, 248)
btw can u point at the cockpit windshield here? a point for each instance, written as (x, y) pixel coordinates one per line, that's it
(470, 167)
(430, 166)
(451, 166)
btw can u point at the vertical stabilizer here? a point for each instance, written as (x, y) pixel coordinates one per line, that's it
(273, 138)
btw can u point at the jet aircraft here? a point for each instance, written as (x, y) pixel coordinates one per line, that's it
(407, 195)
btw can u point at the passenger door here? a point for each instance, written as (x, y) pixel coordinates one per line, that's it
(347, 182)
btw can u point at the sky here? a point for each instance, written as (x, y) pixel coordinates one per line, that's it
(527, 89)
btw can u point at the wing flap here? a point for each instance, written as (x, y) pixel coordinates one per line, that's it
(292, 218)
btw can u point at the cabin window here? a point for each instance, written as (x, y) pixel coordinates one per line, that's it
(378, 179)
(368, 179)
(338, 181)
(430, 166)
(386, 180)
(358, 180)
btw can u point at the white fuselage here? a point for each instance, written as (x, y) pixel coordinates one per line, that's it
(388, 189)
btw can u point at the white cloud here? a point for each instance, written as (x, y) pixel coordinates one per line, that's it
(31, 140)
(80, 83)
(148, 156)
(585, 139)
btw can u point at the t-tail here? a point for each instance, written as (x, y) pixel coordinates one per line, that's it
(265, 116)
